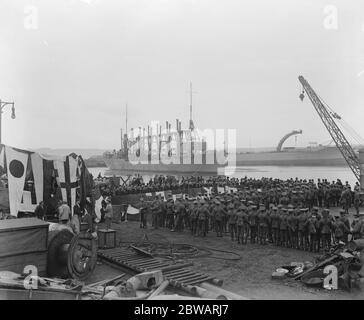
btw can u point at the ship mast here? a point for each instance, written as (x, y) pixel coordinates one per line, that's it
(126, 118)
(192, 126)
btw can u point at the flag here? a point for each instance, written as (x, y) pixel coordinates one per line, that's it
(220, 190)
(2, 159)
(208, 190)
(132, 210)
(34, 177)
(98, 207)
(67, 179)
(17, 166)
(37, 167)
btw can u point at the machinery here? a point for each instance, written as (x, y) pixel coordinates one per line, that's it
(70, 255)
(328, 119)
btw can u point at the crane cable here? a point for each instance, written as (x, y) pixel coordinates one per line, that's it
(354, 135)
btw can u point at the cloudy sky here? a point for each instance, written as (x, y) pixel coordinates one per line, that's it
(71, 66)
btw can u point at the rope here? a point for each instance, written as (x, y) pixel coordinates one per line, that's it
(354, 135)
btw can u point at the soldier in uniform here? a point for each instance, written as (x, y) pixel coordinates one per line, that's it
(284, 200)
(240, 224)
(246, 226)
(345, 220)
(311, 225)
(156, 211)
(294, 228)
(163, 213)
(188, 209)
(194, 218)
(179, 213)
(275, 225)
(358, 227)
(357, 201)
(203, 214)
(290, 227)
(253, 224)
(326, 227)
(302, 218)
(283, 228)
(262, 226)
(170, 213)
(232, 220)
(219, 215)
(143, 213)
(339, 229)
(345, 199)
(269, 223)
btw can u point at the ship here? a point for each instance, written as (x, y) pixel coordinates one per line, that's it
(173, 152)
(313, 155)
(167, 151)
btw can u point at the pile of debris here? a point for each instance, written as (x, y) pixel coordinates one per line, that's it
(342, 267)
(151, 285)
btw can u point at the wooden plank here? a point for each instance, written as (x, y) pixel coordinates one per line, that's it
(317, 266)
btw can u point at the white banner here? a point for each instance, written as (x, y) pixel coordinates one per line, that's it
(132, 210)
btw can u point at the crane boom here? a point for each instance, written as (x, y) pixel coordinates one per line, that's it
(336, 134)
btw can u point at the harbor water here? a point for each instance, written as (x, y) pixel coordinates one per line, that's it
(331, 173)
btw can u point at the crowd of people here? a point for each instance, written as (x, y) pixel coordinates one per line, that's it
(290, 213)
(136, 184)
(323, 194)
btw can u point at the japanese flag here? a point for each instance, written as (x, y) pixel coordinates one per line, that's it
(17, 167)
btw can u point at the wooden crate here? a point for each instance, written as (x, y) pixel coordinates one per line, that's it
(107, 238)
(23, 242)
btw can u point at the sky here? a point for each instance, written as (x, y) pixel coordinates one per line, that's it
(71, 66)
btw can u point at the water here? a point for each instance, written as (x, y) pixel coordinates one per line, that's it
(329, 173)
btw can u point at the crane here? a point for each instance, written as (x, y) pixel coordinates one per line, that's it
(336, 134)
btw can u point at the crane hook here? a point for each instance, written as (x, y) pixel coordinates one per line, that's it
(302, 95)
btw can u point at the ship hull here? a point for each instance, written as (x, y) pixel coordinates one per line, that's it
(330, 156)
(116, 164)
